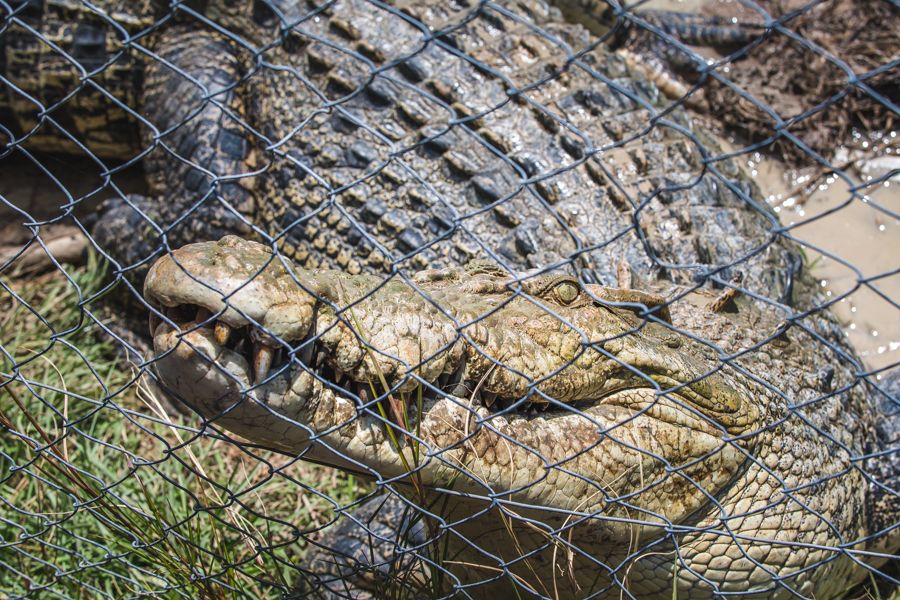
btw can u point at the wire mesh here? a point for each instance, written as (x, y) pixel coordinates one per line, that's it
(531, 310)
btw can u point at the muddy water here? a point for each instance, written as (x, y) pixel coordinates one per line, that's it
(860, 230)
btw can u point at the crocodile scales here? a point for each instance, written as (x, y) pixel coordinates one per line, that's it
(370, 142)
(410, 158)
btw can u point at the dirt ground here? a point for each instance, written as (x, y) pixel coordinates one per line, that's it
(825, 71)
(851, 216)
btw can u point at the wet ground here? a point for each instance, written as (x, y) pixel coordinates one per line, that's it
(849, 226)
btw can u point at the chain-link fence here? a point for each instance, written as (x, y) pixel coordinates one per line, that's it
(584, 300)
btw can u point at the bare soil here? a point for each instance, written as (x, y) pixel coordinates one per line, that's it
(825, 73)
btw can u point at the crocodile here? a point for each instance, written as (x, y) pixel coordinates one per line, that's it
(426, 135)
(567, 439)
(308, 125)
(74, 87)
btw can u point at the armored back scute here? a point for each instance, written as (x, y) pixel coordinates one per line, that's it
(75, 75)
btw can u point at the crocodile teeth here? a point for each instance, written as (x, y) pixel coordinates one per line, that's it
(223, 332)
(262, 361)
(306, 353)
(155, 320)
(363, 392)
(308, 346)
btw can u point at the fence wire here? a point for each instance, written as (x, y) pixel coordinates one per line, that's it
(514, 306)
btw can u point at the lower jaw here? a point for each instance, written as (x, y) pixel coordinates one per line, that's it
(234, 376)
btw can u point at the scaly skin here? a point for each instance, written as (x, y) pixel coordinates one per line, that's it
(358, 138)
(358, 141)
(70, 59)
(650, 440)
(47, 48)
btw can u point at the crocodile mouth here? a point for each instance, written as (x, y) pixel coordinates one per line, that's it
(255, 360)
(255, 357)
(236, 329)
(258, 364)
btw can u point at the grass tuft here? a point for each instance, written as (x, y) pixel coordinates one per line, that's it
(105, 493)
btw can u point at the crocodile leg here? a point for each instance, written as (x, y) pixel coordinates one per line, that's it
(642, 42)
(367, 553)
(703, 30)
(198, 150)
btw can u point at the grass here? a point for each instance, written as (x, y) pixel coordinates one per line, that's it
(105, 493)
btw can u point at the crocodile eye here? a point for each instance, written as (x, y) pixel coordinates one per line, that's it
(566, 292)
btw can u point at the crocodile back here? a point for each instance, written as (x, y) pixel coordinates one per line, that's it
(74, 61)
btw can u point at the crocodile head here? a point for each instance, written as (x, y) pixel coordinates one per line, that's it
(533, 388)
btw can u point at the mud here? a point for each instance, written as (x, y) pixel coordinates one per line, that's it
(824, 74)
(848, 217)
(49, 186)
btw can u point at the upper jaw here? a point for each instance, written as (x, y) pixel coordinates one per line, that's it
(241, 282)
(232, 284)
(296, 412)
(287, 333)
